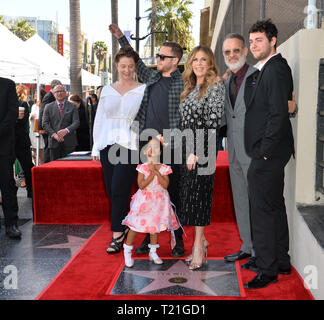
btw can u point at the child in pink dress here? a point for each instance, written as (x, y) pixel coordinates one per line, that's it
(150, 209)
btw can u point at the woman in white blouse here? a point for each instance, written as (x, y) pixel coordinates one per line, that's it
(114, 139)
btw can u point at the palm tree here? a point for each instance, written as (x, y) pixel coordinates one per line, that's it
(3, 21)
(114, 49)
(174, 17)
(100, 49)
(22, 29)
(75, 52)
(152, 25)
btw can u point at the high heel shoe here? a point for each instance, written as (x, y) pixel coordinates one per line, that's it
(198, 258)
(205, 244)
(117, 243)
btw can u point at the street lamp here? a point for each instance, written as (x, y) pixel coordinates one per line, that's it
(152, 32)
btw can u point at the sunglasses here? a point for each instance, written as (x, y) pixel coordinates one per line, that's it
(162, 57)
(235, 51)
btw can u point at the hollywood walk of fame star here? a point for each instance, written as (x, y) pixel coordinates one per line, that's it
(178, 275)
(74, 244)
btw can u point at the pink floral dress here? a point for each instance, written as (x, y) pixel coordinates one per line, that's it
(151, 209)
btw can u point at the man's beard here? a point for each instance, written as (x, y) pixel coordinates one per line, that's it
(263, 55)
(238, 65)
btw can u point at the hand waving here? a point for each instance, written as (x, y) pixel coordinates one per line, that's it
(114, 29)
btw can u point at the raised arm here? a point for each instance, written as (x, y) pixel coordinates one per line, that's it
(142, 70)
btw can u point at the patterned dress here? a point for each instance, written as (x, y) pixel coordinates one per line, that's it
(203, 118)
(150, 209)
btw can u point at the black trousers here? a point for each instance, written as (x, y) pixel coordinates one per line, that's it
(173, 188)
(47, 157)
(24, 156)
(60, 152)
(8, 191)
(270, 235)
(119, 179)
(174, 192)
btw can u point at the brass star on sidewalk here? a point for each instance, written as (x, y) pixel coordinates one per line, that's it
(178, 275)
(74, 244)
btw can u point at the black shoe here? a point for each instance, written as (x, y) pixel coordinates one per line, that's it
(237, 256)
(261, 280)
(284, 271)
(117, 243)
(178, 251)
(250, 265)
(143, 248)
(13, 232)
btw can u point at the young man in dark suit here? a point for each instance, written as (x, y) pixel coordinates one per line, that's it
(269, 142)
(8, 117)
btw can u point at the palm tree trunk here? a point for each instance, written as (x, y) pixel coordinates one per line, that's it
(152, 29)
(75, 43)
(114, 19)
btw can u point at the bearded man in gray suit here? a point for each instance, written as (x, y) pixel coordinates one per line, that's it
(235, 52)
(60, 121)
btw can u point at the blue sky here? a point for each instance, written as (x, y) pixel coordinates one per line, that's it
(95, 15)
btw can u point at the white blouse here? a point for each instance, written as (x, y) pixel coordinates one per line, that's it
(114, 117)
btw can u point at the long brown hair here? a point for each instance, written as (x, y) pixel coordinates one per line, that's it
(76, 98)
(189, 77)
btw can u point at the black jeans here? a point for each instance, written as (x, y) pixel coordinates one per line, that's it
(268, 213)
(119, 179)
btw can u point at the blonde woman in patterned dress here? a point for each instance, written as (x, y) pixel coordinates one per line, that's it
(201, 109)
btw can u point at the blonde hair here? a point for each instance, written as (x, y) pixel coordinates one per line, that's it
(22, 92)
(190, 79)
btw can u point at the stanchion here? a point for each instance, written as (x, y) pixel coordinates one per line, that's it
(37, 135)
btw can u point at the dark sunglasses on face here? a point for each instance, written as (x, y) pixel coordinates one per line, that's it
(162, 57)
(235, 51)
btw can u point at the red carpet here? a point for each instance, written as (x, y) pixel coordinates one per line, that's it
(91, 272)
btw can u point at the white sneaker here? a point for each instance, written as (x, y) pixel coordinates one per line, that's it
(153, 255)
(129, 262)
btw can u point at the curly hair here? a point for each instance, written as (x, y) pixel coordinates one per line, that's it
(265, 26)
(22, 92)
(128, 52)
(190, 78)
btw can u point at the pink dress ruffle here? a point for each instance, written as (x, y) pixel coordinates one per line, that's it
(151, 209)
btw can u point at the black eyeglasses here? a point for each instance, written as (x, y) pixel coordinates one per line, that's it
(162, 57)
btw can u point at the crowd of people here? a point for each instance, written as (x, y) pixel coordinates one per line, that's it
(165, 133)
(46, 128)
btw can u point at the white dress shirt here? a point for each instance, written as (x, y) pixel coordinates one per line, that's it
(114, 117)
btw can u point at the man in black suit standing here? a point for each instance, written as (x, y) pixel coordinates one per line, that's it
(49, 97)
(269, 142)
(8, 117)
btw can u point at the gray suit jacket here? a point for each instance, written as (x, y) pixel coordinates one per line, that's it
(235, 120)
(52, 123)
